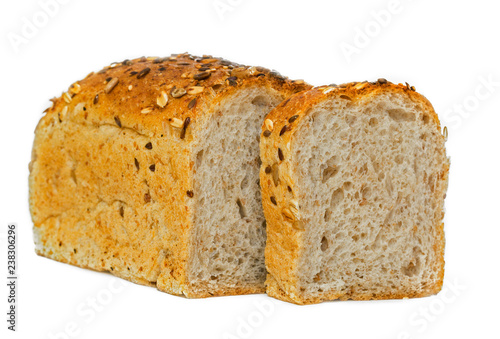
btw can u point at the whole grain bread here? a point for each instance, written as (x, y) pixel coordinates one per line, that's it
(353, 183)
(148, 169)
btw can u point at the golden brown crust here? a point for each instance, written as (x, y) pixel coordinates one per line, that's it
(83, 197)
(283, 247)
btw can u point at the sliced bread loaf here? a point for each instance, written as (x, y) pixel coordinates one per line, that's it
(149, 169)
(353, 183)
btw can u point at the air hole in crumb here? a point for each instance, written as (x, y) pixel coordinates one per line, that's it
(260, 101)
(324, 244)
(399, 115)
(244, 182)
(373, 122)
(199, 158)
(425, 118)
(241, 209)
(337, 196)
(399, 159)
(347, 185)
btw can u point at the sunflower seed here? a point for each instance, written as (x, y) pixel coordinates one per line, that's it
(382, 81)
(269, 124)
(184, 127)
(267, 133)
(283, 130)
(177, 92)
(192, 103)
(96, 99)
(273, 200)
(147, 110)
(67, 97)
(292, 119)
(280, 154)
(162, 100)
(177, 123)
(201, 76)
(195, 90)
(143, 73)
(118, 122)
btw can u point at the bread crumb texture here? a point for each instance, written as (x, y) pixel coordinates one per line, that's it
(353, 194)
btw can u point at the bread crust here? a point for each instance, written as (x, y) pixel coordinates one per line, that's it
(284, 245)
(100, 214)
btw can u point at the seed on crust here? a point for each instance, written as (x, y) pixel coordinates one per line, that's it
(67, 97)
(192, 103)
(283, 130)
(177, 123)
(269, 124)
(343, 96)
(232, 81)
(177, 92)
(118, 122)
(184, 127)
(280, 154)
(445, 133)
(96, 99)
(75, 88)
(152, 168)
(201, 76)
(190, 193)
(143, 73)
(382, 81)
(275, 174)
(273, 200)
(193, 90)
(267, 133)
(147, 110)
(268, 169)
(293, 118)
(287, 214)
(136, 162)
(111, 84)
(147, 197)
(130, 87)
(162, 100)
(149, 145)
(298, 225)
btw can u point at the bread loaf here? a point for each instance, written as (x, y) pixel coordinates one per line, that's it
(353, 183)
(148, 169)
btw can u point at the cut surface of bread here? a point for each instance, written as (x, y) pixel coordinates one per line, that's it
(149, 169)
(353, 184)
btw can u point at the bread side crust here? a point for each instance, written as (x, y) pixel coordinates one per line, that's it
(284, 241)
(138, 97)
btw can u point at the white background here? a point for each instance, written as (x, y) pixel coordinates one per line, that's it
(449, 50)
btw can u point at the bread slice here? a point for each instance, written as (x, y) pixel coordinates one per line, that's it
(353, 183)
(149, 169)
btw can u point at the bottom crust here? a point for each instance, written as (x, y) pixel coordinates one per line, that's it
(197, 291)
(274, 290)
